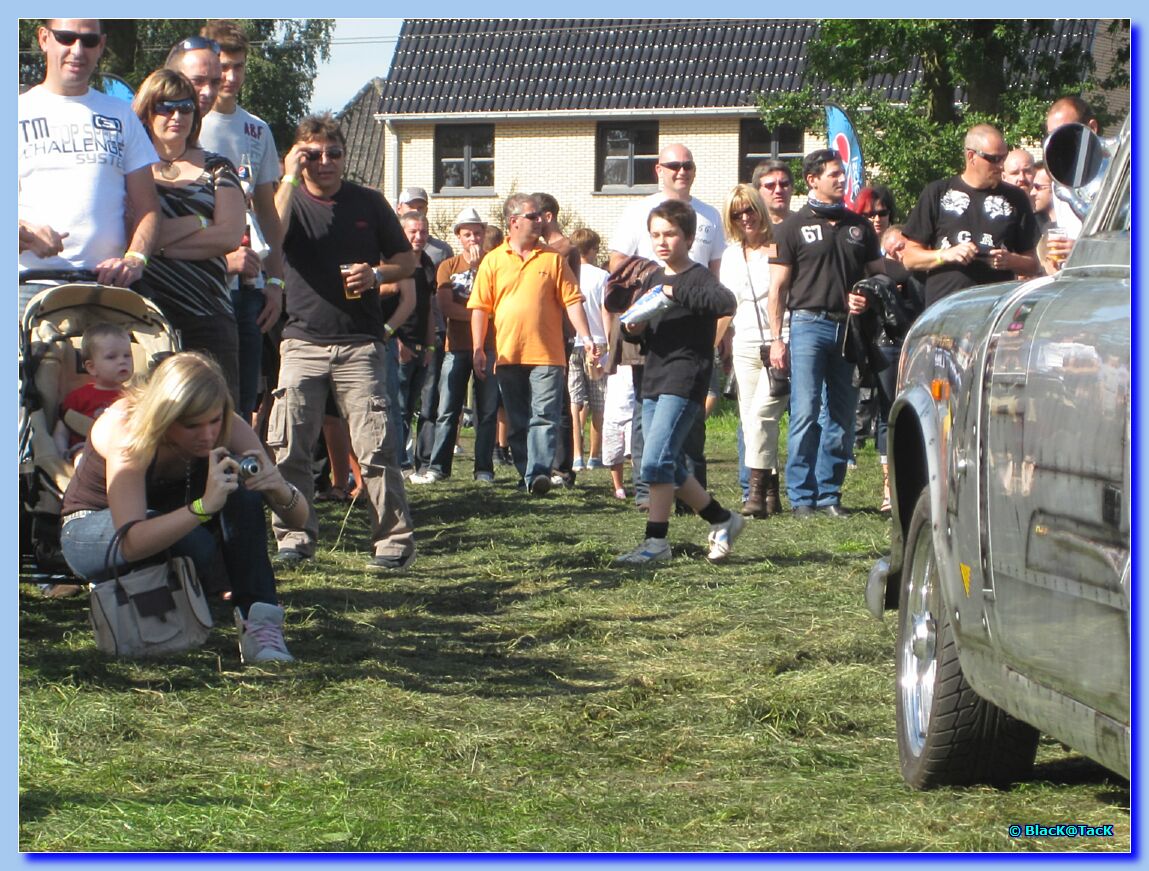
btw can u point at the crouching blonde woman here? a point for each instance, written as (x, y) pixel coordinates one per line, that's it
(745, 270)
(165, 455)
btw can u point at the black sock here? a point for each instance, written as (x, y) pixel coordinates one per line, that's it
(657, 530)
(714, 512)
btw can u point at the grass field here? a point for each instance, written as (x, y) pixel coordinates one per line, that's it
(514, 692)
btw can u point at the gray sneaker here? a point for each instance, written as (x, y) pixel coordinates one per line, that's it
(261, 635)
(650, 551)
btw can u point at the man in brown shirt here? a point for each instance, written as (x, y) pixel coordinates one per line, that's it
(455, 277)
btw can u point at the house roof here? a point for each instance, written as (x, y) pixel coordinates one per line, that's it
(361, 131)
(460, 66)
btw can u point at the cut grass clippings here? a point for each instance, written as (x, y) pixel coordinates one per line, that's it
(516, 692)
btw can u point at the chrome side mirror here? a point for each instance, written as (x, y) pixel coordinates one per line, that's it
(1077, 158)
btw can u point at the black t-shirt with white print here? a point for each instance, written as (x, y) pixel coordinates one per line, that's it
(950, 212)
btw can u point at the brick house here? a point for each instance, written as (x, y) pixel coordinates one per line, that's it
(473, 109)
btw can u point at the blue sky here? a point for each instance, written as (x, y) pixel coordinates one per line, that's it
(361, 48)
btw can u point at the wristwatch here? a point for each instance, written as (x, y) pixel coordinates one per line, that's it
(378, 273)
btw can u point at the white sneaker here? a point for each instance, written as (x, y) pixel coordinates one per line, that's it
(485, 477)
(429, 476)
(261, 635)
(650, 551)
(722, 535)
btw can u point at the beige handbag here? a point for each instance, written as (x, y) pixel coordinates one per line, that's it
(150, 611)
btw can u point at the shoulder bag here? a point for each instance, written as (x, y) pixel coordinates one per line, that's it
(150, 611)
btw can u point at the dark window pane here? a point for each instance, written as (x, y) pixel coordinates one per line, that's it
(482, 142)
(614, 171)
(482, 173)
(644, 169)
(452, 174)
(789, 139)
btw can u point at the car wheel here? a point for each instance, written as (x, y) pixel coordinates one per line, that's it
(947, 734)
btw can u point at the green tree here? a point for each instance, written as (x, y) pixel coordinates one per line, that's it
(282, 64)
(908, 145)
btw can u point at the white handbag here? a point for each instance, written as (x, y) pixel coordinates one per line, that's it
(150, 611)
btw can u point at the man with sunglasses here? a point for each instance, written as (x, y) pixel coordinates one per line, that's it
(675, 171)
(972, 228)
(341, 242)
(775, 182)
(246, 141)
(86, 197)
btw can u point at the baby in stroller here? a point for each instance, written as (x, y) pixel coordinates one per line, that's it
(106, 355)
(52, 328)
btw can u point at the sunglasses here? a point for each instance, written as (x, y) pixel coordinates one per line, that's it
(676, 165)
(878, 213)
(530, 216)
(69, 37)
(315, 155)
(743, 213)
(770, 185)
(195, 43)
(167, 108)
(995, 159)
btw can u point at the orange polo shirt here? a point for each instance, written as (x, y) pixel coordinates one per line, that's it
(527, 299)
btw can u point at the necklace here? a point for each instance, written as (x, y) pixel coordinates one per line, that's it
(168, 169)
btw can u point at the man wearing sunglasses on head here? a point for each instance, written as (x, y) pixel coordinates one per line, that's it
(86, 197)
(972, 228)
(246, 140)
(341, 242)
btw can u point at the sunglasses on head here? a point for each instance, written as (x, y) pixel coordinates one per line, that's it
(69, 37)
(168, 108)
(878, 213)
(195, 43)
(530, 216)
(676, 165)
(316, 155)
(995, 159)
(770, 185)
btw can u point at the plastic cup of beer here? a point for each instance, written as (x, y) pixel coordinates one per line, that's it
(1056, 254)
(345, 272)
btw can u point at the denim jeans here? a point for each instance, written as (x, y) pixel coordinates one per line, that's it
(453, 378)
(533, 397)
(354, 374)
(667, 422)
(391, 380)
(248, 303)
(410, 389)
(241, 536)
(816, 466)
(641, 489)
(428, 412)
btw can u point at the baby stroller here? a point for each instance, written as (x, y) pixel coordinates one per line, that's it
(52, 325)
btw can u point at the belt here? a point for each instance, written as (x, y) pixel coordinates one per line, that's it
(828, 315)
(76, 515)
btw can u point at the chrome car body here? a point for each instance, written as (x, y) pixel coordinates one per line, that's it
(1013, 414)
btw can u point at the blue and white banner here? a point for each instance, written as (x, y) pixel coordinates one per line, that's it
(844, 141)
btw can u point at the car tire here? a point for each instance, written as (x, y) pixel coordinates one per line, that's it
(947, 734)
